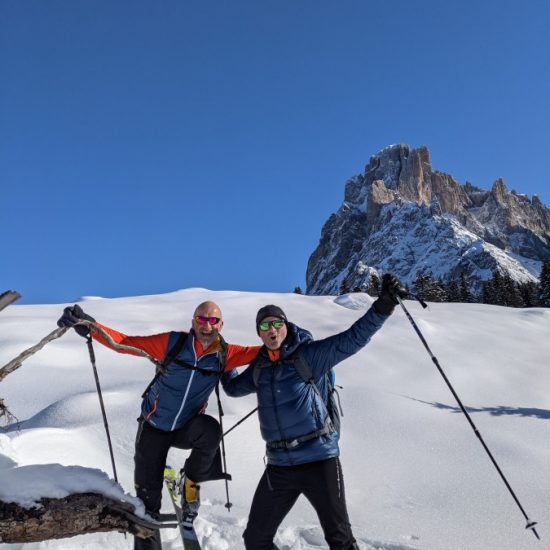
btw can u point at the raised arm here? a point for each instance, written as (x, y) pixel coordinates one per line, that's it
(325, 354)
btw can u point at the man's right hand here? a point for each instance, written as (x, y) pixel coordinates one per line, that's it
(71, 316)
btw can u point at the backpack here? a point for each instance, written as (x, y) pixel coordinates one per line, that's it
(332, 405)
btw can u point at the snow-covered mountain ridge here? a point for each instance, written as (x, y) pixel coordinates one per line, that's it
(404, 217)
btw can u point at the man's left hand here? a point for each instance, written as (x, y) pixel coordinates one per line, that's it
(391, 289)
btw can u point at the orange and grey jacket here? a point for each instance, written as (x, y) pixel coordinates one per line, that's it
(181, 392)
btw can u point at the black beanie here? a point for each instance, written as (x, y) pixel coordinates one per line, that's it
(269, 311)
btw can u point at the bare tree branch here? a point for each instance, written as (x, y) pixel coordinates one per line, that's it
(18, 361)
(8, 297)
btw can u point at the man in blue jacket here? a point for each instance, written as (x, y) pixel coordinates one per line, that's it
(295, 421)
(173, 405)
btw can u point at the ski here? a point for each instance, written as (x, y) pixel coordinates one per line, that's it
(166, 517)
(162, 522)
(185, 521)
(8, 297)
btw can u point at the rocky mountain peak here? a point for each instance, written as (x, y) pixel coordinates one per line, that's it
(401, 215)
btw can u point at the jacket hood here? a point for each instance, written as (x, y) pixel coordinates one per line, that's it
(296, 337)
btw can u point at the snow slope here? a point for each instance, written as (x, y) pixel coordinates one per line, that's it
(416, 476)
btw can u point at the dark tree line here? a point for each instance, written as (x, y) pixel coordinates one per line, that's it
(501, 290)
(498, 290)
(544, 285)
(431, 289)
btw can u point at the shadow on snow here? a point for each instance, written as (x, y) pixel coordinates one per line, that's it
(527, 412)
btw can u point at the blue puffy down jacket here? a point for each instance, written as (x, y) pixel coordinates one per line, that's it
(288, 407)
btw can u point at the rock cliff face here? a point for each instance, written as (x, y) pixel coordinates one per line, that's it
(401, 216)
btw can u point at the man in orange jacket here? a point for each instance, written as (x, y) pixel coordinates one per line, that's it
(172, 410)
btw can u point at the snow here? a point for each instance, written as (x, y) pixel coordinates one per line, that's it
(416, 475)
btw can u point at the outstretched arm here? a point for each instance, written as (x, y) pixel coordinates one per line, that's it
(154, 345)
(239, 385)
(238, 356)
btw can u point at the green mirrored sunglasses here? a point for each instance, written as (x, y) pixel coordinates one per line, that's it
(276, 324)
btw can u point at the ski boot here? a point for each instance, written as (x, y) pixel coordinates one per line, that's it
(190, 498)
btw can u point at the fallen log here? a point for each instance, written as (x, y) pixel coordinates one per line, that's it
(76, 514)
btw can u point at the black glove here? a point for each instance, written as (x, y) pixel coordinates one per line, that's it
(391, 288)
(71, 316)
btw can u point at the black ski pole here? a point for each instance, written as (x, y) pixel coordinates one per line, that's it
(228, 504)
(105, 423)
(530, 524)
(240, 421)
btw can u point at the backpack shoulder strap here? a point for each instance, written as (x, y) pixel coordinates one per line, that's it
(259, 363)
(304, 370)
(174, 351)
(171, 354)
(223, 353)
(302, 367)
(222, 360)
(297, 360)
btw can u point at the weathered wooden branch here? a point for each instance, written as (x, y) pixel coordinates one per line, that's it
(76, 514)
(18, 361)
(14, 364)
(8, 297)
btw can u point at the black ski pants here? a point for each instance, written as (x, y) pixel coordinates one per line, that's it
(320, 482)
(202, 434)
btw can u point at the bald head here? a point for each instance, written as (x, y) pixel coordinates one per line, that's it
(207, 323)
(208, 309)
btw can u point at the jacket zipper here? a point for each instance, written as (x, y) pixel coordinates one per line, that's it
(189, 383)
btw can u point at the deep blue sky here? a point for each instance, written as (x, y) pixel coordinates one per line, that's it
(151, 146)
